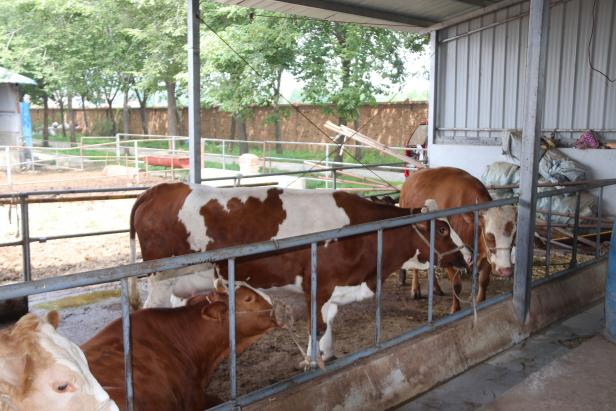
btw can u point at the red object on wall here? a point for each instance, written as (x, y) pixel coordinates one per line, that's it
(168, 161)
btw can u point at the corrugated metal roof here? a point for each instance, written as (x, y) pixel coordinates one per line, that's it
(404, 15)
(7, 76)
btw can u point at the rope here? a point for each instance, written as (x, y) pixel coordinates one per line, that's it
(472, 300)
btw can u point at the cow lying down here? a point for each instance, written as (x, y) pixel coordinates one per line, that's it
(176, 219)
(175, 351)
(42, 370)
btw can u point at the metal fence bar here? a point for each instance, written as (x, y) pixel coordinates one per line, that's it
(9, 177)
(431, 270)
(232, 346)
(379, 269)
(313, 305)
(548, 244)
(25, 238)
(334, 178)
(475, 246)
(576, 228)
(63, 237)
(126, 338)
(599, 223)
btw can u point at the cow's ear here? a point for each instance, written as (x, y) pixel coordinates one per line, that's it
(13, 370)
(53, 318)
(215, 311)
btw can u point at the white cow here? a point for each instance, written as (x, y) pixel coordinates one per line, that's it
(42, 370)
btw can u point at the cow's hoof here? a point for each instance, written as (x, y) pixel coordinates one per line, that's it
(454, 310)
(415, 294)
(439, 292)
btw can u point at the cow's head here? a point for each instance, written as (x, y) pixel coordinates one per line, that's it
(254, 310)
(498, 232)
(42, 370)
(448, 246)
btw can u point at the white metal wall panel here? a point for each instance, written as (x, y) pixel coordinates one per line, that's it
(480, 89)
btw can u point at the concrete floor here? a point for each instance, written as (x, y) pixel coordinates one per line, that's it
(568, 366)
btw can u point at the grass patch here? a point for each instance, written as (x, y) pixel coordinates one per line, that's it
(78, 300)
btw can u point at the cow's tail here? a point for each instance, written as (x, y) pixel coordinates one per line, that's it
(133, 290)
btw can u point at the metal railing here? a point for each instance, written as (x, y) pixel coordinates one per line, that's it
(122, 273)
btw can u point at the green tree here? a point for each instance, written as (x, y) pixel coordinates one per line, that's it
(243, 68)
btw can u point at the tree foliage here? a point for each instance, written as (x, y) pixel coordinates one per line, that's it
(98, 49)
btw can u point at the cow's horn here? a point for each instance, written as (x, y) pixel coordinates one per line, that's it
(429, 206)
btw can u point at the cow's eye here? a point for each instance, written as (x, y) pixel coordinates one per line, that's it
(64, 387)
(442, 231)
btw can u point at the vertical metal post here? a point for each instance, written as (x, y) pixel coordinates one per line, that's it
(25, 237)
(334, 178)
(576, 229)
(224, 163)
(136, 153)
(313, 306)
(548, 236)
(9, 171)
(194, 93)
(475, 246)
(128, 364)
(610, 291)
(529, 158)
(379, 268)
(431, 270)
(433, 89)
(599, 223)
(232, 347)
(327, 164)
(117, 147)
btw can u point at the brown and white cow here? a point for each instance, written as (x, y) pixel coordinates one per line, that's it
(176, 219)
(42, 370)
(175, 351)
(453, 187)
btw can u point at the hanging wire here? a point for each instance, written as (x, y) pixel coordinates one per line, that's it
(339, 146)
(592, 35)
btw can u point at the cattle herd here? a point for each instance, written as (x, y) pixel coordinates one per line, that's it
(180, 335)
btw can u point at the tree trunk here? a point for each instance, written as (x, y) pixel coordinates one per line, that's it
(242, 137)
(114, 128)
(125, 113)
(86, 126)
(61, 102)
(142, 110)
(232, 131)
(71, 116)
(45, 120)
(339, 153)
(277, 130)
(172, 119)
(359, 153)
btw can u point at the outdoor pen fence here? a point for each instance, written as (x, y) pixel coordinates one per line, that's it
(122, 273)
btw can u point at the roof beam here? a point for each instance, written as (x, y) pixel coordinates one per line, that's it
(480, 3)
(363, 11)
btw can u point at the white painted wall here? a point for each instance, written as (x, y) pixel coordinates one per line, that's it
(474, 159)
(10, 122)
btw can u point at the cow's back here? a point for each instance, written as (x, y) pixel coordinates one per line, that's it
(450, 187)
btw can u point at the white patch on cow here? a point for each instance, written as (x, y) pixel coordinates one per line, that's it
(494, 222)
(66, 353)
(256, 290)
(195, 283)
(342, 295)
(190, 213)
(414, 264)
(310, 212)
(466, 253)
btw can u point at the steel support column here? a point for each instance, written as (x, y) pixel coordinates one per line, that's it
(194, 93)
(432, 100)
(529, 161)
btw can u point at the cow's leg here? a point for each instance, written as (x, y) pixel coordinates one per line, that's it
(415, 285)
(437, 287)
(402, 276)
(456, 289)
(485, 270)
(133, 293)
